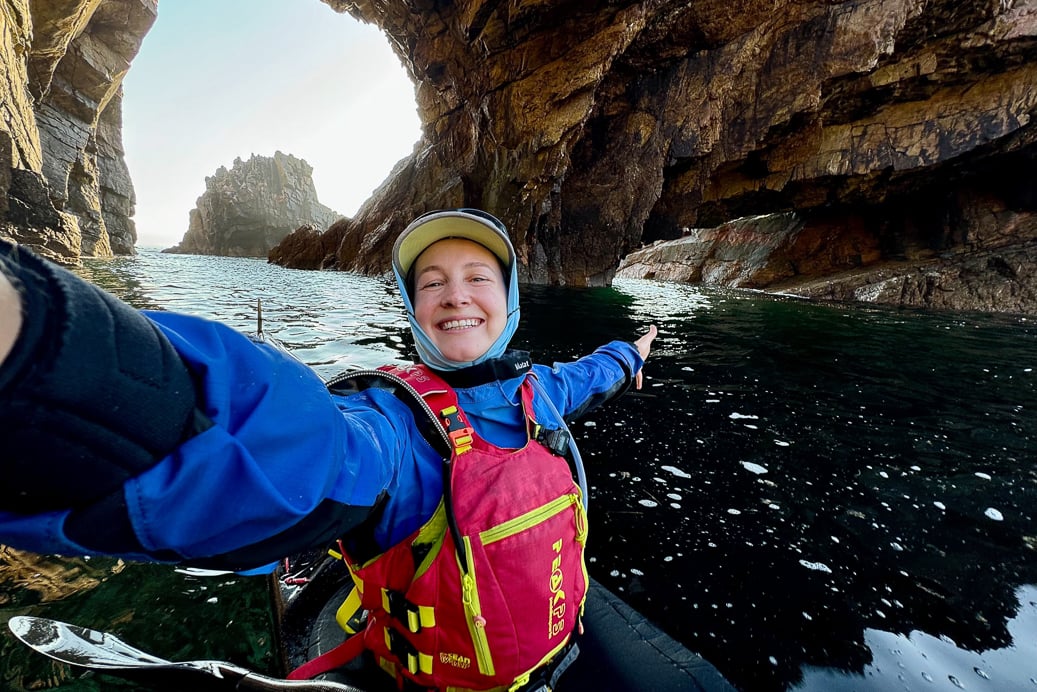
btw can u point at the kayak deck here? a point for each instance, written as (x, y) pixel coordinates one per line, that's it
(619, 648)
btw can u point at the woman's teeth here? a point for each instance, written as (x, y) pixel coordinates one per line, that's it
(458, 324)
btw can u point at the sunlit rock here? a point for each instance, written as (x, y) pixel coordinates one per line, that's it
(250, 208)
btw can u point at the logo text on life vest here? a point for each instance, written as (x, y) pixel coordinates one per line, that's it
(455, 660)
(556, 603)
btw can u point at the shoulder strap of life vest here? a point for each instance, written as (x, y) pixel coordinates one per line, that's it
(442, 402)
(391, 379)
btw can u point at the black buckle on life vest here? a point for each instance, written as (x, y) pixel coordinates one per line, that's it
(460, 434)
(452, 419)
(403, 610)
(399, 645)
(406, 652)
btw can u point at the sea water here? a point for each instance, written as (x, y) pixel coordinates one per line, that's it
(813, 496)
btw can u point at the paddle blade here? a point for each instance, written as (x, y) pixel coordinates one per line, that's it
(79, 646)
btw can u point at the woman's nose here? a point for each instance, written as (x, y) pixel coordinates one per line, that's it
(456, 294)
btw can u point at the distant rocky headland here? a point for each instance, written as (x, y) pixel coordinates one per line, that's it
(247, 210)
(890, 145)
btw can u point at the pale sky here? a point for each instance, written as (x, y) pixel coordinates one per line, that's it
(219, 79)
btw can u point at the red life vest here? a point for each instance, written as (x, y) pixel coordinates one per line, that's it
(492, 586)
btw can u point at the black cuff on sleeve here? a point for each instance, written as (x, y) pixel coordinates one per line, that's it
(91, 394)
(615, 391)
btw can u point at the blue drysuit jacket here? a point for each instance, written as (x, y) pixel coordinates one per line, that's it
(281, 465)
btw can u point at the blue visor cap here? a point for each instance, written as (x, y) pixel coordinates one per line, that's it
(470, 224)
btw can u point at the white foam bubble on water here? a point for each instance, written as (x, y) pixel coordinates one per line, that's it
(648, 503)
(676, 471)
(637, 572)
(939, 505)
(782, 443)
(992, 513)
(737, 416)
(753, 468)
(984, 476)
(816, 566)
(734, 511)
(674, 496)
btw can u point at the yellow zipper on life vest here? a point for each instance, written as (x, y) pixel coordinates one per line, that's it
(537, 516)
(473, 613)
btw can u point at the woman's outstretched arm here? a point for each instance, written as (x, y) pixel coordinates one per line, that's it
(162, 436)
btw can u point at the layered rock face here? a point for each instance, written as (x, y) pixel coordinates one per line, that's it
(64, 185)
(900, 126)
(842, 260)
(247, 210)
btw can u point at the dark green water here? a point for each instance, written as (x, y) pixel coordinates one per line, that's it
(814, 497)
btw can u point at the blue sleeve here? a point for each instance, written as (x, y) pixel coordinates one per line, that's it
(580, 386)
(282, 467)
(280, 451)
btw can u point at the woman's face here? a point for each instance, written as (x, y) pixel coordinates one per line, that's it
(460, 298)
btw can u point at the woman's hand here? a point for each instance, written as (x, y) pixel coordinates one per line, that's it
(10, 316)
(644, 347)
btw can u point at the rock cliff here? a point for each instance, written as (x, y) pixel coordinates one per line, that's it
(900, 133)
(64, 186)
(247, 210)
(904, 127)
(843, 261)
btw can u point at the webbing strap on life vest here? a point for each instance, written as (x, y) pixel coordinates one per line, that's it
(414, 660)
(415, 617)
(339, 656)
(349, 615)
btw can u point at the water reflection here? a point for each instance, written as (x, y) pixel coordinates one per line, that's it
(813, 496)
(920, 660)
(809, 473)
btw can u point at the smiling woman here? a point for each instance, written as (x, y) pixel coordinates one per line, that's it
(216, 81)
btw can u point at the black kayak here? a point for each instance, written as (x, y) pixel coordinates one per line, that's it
(619, 648)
